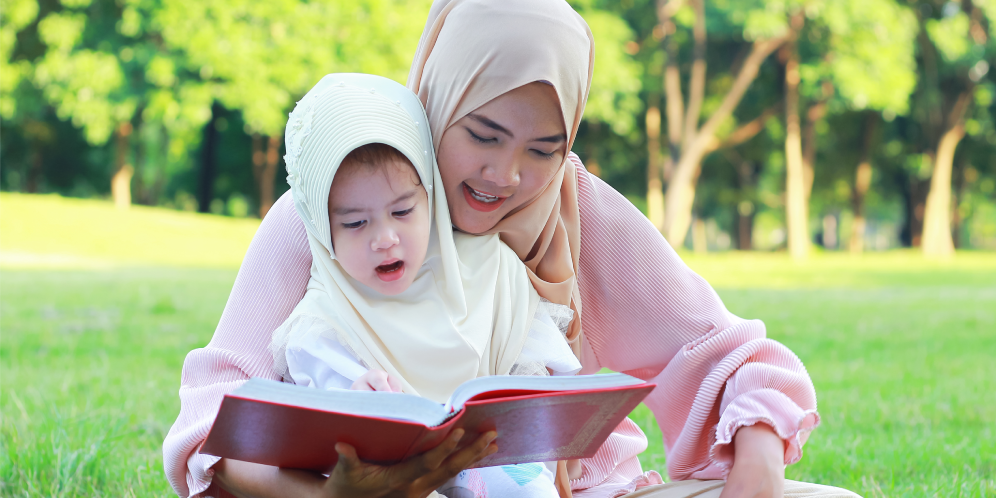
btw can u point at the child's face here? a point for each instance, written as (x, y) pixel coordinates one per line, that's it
(380, 225)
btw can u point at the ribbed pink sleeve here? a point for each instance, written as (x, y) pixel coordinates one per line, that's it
(271, 281)
(647, 314)
(644, 311)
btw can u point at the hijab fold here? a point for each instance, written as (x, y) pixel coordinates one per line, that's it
(473, 51)
(468, 312)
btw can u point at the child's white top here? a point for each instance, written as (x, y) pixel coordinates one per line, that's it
(308, 351)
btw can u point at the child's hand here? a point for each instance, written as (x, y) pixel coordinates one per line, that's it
(377, 380)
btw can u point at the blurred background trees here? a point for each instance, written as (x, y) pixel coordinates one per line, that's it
(745, 124)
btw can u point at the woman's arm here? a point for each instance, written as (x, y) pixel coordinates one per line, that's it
(416, 477)
(270, 283)
(647, 314)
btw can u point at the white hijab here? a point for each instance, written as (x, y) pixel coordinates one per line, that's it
(468, 312)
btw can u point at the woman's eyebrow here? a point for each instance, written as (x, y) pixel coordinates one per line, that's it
(555, 139)
(497, 127)
(490, 124)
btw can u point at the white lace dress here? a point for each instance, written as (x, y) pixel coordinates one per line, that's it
(307, 352)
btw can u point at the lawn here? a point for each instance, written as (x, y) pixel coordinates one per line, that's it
(97, 313)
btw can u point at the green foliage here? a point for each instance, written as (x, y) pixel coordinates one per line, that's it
(872, 42)
(950, 36)
(261, 56)
(615, 86)
(85, 84)
(161, 64)
(15, 15)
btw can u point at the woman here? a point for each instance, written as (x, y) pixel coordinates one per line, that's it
(504, 85)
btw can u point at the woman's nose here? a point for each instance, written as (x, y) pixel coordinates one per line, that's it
(385, 238)
(502, 171)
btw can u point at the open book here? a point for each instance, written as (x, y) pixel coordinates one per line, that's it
(538, 419)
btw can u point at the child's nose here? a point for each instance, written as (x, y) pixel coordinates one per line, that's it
(385, 238)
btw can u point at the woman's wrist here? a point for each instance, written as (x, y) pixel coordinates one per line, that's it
(758, 464)
(253, 480)
(758, 442)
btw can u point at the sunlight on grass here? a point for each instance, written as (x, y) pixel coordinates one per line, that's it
(900, 350)
(59, 232)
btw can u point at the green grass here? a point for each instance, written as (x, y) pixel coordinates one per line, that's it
(48, 231)
(901, 351)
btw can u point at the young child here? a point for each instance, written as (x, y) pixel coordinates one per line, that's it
(397, 301)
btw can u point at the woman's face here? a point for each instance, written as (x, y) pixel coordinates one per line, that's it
(499, 157)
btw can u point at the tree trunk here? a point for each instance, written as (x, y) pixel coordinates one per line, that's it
(957, 222)
(862, 182)
(674, 104)
(591, 162)
(142, 188)
(813, 116)
(697, 81)
(918, 190)
(745, 226)
(745, 208)
(205, 186)
(937, 241)
(681, 186)
(269, 174)
(655, 189)
(700, 242)
(796, 210)
(35, 171)
(121, 180)
(264, 169)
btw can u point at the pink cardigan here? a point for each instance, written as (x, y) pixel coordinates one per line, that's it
(645, 313)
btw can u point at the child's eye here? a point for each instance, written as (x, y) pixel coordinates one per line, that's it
(403, 213)
(355, 224)
(479, 139)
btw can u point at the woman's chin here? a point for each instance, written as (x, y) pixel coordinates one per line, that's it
(468, 220)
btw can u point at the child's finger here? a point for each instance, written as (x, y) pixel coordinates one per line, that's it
(379, 382)
(394, 383)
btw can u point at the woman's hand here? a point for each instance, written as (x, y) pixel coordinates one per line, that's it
(416, 477)
(758, 464)
(377, 380)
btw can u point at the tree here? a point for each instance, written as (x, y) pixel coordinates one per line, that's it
(261, 56)
(688, 142)
(15, 15)
(856, 55)
(961, 39)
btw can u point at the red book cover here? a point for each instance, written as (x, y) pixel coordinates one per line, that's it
(556, 419)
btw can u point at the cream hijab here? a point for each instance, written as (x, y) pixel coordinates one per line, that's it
(468, 311)
(473, 51)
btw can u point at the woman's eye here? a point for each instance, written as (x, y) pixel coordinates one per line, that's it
(544, 155)
(355, 224)
(479, 139)
(403, 213)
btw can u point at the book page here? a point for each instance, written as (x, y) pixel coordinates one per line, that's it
(397, 406)
(481, 385)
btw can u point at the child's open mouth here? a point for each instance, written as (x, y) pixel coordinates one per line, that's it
(391, 271)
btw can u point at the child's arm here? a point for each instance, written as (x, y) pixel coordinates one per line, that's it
(316, 358)
(377, 380)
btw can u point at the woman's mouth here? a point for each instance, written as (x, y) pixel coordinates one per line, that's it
(391, 271)
(482, 201)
